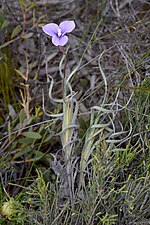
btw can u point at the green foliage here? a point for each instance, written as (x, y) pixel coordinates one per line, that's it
(7, 91)
(142, 107)
(3, 22)
(13, 211)
(15, 32)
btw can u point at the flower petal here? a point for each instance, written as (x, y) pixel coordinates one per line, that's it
(51, 29)
(59, 41)
(66, 26)
(63, 40)
(55, 40)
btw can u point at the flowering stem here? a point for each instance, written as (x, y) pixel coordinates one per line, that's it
(67, 126)
(64, 72)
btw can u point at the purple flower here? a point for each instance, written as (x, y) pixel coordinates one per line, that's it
(58, 32)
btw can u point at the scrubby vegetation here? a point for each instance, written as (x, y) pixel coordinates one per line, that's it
(75, 123)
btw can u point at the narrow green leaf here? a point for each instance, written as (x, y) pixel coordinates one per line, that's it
(26, 36)
(22, 116)
(23, 152)
(22, 2)
(21, 74)
(31, 6)
(32, 135)
(25, 141)
(16, 30)
(5, 24)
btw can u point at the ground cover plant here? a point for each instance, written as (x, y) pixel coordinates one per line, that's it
(74, 112)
